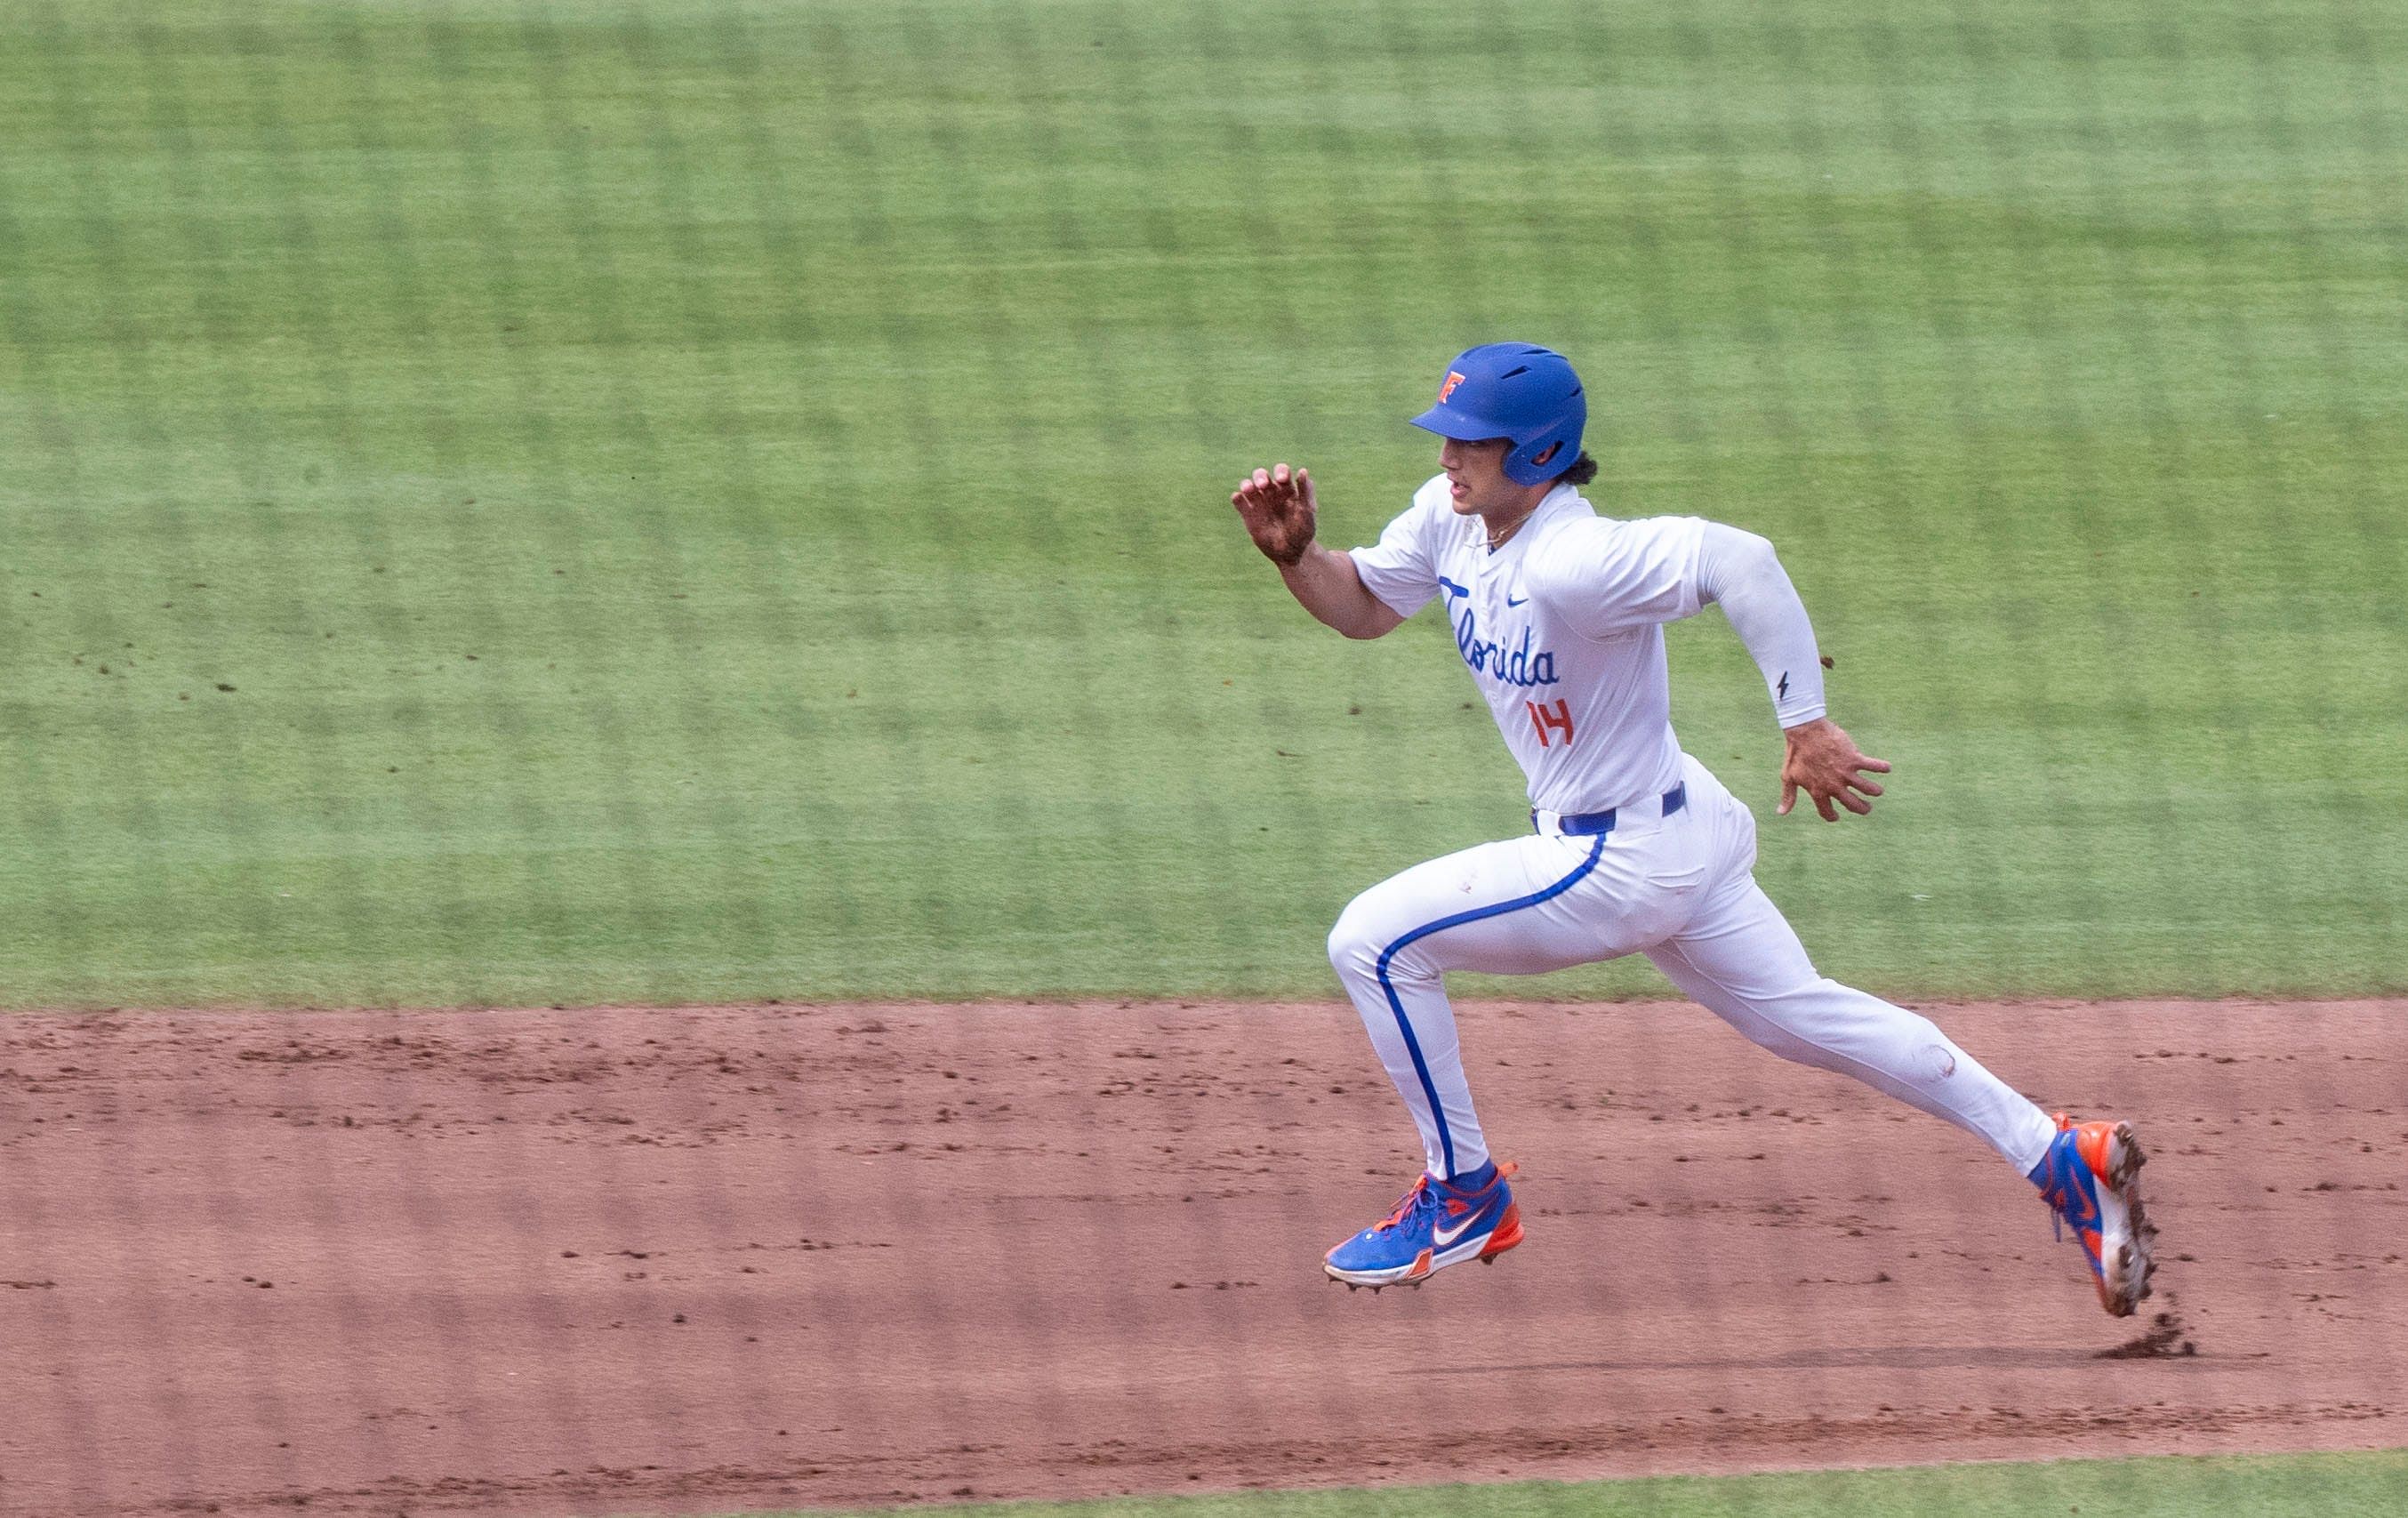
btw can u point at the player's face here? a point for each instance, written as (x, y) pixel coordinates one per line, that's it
(1477, 473)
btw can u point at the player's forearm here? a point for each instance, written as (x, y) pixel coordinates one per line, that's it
(1739, 571)
(1325, 583)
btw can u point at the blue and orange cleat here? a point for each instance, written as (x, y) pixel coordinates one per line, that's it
(2087, 1179)
(1436, 1224)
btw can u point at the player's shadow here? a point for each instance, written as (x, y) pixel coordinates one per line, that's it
(1868, 1357)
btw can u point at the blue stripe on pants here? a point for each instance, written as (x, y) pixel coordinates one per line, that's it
(1412, 1045)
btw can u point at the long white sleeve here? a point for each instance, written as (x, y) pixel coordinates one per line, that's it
(1739, 571)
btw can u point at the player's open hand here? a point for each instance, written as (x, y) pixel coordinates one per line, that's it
(1278, 508)
(1824, 762)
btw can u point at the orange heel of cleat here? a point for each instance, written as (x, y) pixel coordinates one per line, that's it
(1507, 1234)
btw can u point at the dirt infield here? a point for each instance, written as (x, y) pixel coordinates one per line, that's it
(710, 1259)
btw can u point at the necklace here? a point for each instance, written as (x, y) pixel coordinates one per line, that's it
(1499, 539)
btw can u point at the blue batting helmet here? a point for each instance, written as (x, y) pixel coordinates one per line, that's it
(1518, 391)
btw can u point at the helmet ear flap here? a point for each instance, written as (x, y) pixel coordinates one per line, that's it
(1536, 462)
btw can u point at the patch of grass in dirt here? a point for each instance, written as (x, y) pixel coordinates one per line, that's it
(595, 502)
(2363, 1485)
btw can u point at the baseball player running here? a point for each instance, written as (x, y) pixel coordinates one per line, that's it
(1635, 848)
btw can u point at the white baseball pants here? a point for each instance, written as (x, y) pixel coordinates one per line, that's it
(1679, 889)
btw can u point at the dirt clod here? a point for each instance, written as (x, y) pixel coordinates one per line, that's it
(2163, 1339)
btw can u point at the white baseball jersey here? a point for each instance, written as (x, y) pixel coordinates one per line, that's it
(1562, 629)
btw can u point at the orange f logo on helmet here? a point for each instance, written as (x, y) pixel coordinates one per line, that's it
(1447, 389)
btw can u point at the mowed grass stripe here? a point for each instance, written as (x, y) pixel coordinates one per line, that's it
(2358, 1485)
(693, 501)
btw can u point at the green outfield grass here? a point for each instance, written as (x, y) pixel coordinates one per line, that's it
(577, 502)
(2371, 1485)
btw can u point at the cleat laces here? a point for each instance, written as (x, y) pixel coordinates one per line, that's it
(1421, 1197)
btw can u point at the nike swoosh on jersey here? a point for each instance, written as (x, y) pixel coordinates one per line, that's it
(1510, 601)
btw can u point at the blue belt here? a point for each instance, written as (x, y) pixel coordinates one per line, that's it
(1589, 824)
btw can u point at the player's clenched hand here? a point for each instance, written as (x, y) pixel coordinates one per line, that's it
(1824, 762)
(1277, 507)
